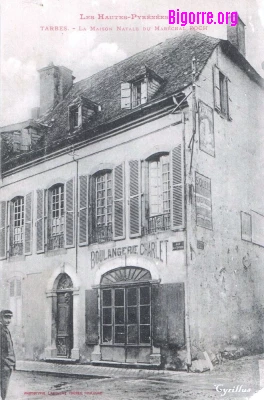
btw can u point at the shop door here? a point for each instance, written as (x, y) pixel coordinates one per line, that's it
(64, 340)
(126, 323)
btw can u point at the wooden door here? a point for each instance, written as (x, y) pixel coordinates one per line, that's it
(64, 324)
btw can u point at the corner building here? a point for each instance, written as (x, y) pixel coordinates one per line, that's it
(130, 228)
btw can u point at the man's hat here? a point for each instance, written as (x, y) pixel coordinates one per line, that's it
(6, 313)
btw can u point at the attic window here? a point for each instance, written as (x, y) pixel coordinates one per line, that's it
(140, 89)
(81, 111)
(75, 117)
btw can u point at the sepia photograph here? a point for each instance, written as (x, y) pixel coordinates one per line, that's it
(131, 199)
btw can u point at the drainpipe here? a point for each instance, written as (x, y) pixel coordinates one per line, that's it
(0, 157)
(77, 215)
(187, 320)
(76, 208)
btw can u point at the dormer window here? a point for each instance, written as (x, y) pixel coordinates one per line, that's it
(81, 111)
(75, 117)
(140, 89)
(139, 93)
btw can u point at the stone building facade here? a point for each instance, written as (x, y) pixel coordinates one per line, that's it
(131, 228)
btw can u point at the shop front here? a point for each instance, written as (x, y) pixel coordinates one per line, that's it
(131, 315)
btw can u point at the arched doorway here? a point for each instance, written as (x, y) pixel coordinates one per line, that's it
(64, 320)
(125, 295)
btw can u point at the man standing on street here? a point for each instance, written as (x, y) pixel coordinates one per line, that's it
(7, 355)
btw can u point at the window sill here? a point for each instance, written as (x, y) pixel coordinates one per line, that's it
(127, 345)
(56, 252)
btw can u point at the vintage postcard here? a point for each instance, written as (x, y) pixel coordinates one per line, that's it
(131, 199)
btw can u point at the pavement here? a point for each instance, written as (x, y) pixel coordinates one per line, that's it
(81, 370)
(231, 380)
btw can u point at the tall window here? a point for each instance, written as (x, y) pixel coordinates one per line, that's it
(17, 226)
(103, 207)
(56, 219)
(223, 94)
(222, 101)
(158, 212)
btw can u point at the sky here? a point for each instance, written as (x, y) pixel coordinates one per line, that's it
(28, 43)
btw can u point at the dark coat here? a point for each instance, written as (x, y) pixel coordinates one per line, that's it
(7, 354)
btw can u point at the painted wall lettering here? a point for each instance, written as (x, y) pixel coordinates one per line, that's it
(155, 249)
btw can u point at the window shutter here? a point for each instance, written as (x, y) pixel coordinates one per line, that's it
(40, 220)
(159, 316)
(91, 211)
(80, 115)
(168, 310)
(126, 95)
(144, 91)
(28, 223)
(176, 313)
(177, 188)
(91, 316)
(83, 210)
(10, 225)
(119, 206)
(217, 103)
(230, 105)
(69, 214)
(134, 198)
(3, 228)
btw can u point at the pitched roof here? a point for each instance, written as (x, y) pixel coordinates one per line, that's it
(171, 60)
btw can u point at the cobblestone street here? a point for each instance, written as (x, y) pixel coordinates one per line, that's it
(115, 384)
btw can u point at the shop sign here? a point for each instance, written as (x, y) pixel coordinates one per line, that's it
(157, 250)
(177, 246)
(203, 201)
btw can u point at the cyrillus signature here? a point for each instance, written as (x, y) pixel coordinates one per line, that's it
(235, 389)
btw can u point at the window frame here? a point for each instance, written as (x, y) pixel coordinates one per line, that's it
(17, 226)
(162, 218)
(75, 115)
(101, 232)
(221, 83)
(56, 240)
(136, 91)
(125, 288)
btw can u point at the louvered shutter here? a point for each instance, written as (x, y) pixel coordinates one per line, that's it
(144, 91)
(40, 220)
(91, 316)
(91, 210)
(230, 105)
(119, 203)
(28, 223)
(168, 314)
(83, 210)
(134, 198)
(3, 229)
(126, 95)
(177, 188)
(10, 225)
(216, 83)
(69, 214)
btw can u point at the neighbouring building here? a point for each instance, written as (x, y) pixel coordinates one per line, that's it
(131, 213)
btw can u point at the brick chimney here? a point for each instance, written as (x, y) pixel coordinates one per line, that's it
(55, 83)
(236, 36)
